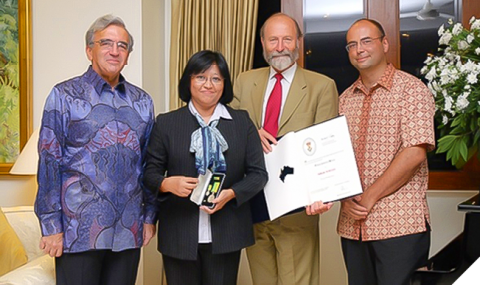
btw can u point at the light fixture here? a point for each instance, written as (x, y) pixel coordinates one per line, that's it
(428, 12)
(27, 161)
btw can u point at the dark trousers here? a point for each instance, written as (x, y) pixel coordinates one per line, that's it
(98, 267)
(208, 269)
(385, 262)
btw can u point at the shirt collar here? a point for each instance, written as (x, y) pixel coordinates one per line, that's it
(287, 74)
(100, 84)
(386, 81)
(219, 112)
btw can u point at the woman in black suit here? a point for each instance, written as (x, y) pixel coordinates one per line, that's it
(201, 245)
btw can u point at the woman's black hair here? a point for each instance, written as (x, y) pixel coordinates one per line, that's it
(198, 63)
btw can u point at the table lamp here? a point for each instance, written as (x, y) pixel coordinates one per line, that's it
(27, 161)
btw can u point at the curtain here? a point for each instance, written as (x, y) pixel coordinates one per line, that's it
(227, 26)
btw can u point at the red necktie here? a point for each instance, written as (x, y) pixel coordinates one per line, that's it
(273, 107)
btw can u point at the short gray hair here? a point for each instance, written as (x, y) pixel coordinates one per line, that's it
(101, 24)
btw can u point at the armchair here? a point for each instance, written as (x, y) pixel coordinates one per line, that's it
(40, 268)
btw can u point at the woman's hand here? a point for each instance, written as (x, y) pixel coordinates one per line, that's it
(180, 186)
(222, 199)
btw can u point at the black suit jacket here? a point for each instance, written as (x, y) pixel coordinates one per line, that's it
(168, 155)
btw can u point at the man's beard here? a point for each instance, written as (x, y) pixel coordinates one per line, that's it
(279, 61)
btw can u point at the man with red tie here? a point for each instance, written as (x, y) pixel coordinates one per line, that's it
(283, 98)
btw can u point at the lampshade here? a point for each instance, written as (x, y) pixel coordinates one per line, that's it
(27, 161)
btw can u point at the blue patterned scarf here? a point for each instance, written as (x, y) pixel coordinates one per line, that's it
(208, 145)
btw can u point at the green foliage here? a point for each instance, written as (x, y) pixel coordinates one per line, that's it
(9, 30)
(9, 81)
(9, 130)
(454, 79)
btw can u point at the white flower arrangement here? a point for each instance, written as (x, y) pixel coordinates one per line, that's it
(453, 77)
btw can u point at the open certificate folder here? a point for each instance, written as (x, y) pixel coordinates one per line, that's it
(313, 164)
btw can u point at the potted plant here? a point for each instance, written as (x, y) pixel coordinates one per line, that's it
(453, 77)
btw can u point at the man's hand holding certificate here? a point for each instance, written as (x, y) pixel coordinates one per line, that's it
(313, 164)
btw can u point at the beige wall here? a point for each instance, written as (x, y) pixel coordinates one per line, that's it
(156, 29)
(58, 41)
(156, 47)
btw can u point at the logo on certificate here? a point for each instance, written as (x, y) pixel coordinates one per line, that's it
(309, 146)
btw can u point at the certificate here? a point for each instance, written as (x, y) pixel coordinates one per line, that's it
(313, 164)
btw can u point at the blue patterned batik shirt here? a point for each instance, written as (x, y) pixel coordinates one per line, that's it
(92, 144)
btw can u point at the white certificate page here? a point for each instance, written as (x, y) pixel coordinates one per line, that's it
(313, 164)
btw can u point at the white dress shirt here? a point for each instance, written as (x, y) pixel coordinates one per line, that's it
(286, 82)
(204, 226)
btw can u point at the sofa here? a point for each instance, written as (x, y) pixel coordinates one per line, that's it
(39, 268)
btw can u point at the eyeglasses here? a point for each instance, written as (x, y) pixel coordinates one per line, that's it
(363, 42)
(108, 44)
(201, 79)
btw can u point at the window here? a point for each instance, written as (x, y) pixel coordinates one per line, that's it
(392, 14)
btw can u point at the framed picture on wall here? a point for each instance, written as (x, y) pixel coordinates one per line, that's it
(15, 80)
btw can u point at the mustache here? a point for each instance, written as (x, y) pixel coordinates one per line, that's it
(282, 53)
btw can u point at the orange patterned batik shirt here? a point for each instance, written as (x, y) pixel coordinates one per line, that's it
(395, 114)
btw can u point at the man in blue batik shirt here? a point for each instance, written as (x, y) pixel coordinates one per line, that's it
(94, 212)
